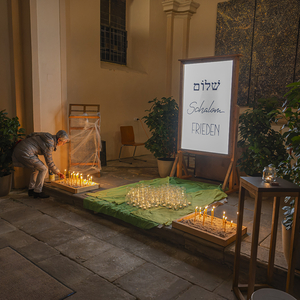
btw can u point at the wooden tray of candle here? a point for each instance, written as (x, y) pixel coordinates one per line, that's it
(75, 189)
(214, 232)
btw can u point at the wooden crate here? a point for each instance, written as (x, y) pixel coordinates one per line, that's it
(74, 190)
(222, 241)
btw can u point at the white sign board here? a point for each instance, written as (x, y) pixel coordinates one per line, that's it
(206, 106)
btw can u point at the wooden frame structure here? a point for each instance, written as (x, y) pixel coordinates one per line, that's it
(83, 109)
(74, 190)
(211, 237)
(261, 189)
(231, 180)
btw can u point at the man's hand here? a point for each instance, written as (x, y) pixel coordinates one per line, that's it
(61, 175)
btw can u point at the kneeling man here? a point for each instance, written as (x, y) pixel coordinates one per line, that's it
(26, 154)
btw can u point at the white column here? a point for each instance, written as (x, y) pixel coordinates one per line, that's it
(178, 14)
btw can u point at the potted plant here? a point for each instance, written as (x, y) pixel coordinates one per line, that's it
(290, 167)
(10, 133)
(287, 224)
(261, 144)
(162, 121)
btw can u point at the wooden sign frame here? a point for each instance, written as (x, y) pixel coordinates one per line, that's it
(231, 177)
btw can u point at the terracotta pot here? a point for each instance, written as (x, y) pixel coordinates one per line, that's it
(5, 185)
(165, 166)
(286, 240)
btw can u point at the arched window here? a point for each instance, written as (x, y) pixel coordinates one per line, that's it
(113, 40)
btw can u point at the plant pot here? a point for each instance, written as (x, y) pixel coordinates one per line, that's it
(165, 166)
(286, 241)
(5, 185)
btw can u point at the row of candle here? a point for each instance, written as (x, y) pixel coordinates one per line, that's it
(199, 213)
(169, 196)
(77, 180)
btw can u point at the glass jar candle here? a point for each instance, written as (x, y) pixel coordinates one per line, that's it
(269, 174)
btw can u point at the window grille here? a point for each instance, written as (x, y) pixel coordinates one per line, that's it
(113, 40)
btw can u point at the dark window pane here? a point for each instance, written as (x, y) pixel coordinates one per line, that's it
(113, 34)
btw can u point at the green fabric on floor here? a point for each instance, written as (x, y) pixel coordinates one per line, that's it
(111, 202)
(122, 212)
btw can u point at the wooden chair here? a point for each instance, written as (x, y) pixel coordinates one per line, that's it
(127, 139)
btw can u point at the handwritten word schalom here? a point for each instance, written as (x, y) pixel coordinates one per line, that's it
(193, 108)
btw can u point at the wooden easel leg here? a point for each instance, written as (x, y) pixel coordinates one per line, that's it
(185, 170)
(179, 165)
(231, 179)
(227, 176)
(172, 174)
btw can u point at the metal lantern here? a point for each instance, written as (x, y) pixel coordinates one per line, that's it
(269, 174)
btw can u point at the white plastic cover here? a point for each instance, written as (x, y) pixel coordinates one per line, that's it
(85, 145)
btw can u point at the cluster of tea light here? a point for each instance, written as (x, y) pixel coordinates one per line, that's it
(169, 196)
(76, 180)
(203, 215)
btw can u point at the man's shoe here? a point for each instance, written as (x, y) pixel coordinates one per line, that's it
(40, 195)
(30, 192)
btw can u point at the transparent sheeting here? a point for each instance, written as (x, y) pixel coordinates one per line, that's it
(85, 145)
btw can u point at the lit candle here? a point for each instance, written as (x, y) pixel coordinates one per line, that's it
(225, 221)
(212, 215)
(195, 213)
(81, 181)
(231, 223)
(203, 218)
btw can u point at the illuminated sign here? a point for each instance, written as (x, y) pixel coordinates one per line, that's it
(206, 97)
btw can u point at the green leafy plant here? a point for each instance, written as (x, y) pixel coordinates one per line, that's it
(162, 121)
(290, 167)
(261, 144)
(10, 133)
(288, 212)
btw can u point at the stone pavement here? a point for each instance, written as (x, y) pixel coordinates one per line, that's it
(103, 258)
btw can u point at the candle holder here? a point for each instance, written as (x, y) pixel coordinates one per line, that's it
(167, 196)
(269, 174)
